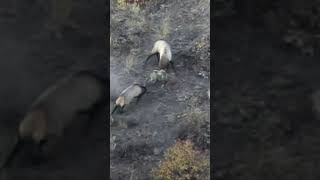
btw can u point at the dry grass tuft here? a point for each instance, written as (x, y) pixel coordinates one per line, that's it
(123, 4)
(196, 127)
(183, 162)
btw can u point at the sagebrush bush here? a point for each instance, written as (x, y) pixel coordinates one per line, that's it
(158, 75)
(183, 162)
(165, 29)
(201, 51)
(125, 3)
(196, 127)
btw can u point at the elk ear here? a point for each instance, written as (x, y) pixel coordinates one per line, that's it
(145, 62)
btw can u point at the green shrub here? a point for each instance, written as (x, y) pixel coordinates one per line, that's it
(158, 75)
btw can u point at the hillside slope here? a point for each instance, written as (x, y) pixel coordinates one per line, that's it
(145, 131)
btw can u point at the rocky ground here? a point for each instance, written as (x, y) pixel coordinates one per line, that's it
(144, 132)
(31, 60)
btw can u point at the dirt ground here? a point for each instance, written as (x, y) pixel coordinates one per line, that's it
(146, 130)
(265, 127)
(31, 60)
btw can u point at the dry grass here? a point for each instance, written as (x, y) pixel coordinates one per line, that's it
(129, 21)
(165, 29)
(130, 63)
(196, 127)
(183, 162)
(201, 52)
(124, 4)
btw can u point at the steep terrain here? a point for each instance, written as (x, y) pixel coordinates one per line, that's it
(144, 132)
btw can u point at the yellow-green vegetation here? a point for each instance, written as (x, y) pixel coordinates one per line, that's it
(195, 117)
(158, 75)
(200, 44)
(165, 29)
(136, 21)
(123, 4)
(201, 51)
(183, 162)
